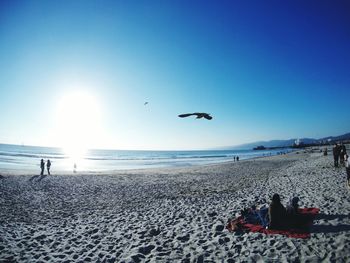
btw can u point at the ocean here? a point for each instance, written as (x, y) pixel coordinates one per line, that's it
(27, 158)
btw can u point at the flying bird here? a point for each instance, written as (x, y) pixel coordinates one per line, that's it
(145, 103)
(198, 114)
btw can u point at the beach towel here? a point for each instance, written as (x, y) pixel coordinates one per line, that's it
(302, 231)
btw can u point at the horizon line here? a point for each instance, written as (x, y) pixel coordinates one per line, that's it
(234, 147)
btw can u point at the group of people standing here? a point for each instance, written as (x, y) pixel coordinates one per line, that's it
(42, 166)
(339, 153)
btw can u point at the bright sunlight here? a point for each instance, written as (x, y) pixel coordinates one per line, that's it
(78, 123)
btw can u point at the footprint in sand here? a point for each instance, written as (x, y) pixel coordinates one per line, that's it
(154, 232)
(184, 238)
(138, 258)
(146, 250)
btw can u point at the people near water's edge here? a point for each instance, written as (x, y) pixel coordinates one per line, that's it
(48, 166)
(237, 158)
(42, 166)
(75, 168)
(336, 153)
(277, 213)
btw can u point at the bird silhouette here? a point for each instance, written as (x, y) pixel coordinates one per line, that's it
(198, 114)
(145, 103)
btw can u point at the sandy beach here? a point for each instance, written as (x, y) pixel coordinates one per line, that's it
(172, 215)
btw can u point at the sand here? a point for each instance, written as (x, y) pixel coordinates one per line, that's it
(172, 215)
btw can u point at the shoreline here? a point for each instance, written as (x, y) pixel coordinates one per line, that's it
(173, 213)
(5, 171)
(16, 160)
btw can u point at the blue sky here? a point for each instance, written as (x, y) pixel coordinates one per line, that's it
(263, 69)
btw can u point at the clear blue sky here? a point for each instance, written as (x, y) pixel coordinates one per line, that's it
(263, 69)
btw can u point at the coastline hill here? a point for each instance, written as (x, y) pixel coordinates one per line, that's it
(289, 142)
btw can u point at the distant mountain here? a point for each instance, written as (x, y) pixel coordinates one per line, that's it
(289, 142)
(343, 137)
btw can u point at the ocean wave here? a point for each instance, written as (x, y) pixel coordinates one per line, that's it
(156, 158)
(28, 156)
(33, 155)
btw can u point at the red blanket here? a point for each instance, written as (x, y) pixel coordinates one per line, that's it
(308, 215)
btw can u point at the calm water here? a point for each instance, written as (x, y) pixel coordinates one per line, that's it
(20, 158)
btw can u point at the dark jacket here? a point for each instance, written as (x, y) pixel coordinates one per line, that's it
(277, 216)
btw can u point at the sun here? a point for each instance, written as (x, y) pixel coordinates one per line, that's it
(78, 122)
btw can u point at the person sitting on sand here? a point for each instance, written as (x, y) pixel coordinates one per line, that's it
(293, 211)
(293, 206)
(42, 166)
(255, 216)
(277, 213)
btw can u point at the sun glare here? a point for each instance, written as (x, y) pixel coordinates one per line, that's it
(78, 123)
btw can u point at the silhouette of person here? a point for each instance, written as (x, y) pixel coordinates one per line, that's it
(237, 158)
(342, 153)
(48, 165)
(336, 153)
(344, 148)
(75, 168)
(42, 166)
(347, 166)
(277, 213)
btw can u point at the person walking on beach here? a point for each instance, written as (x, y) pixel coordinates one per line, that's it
(48, 165)
(336, 152)
(42, 166)
(342, 154)
(347, 167)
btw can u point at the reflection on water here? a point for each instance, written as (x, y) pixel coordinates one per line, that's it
(14, 157)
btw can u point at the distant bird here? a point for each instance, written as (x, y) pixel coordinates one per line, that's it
(198, 114)
(145, 103)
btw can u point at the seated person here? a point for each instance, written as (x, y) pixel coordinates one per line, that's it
(264, 217)
(293, 215)
(277, 213)
(255, 216)
(293, 207)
